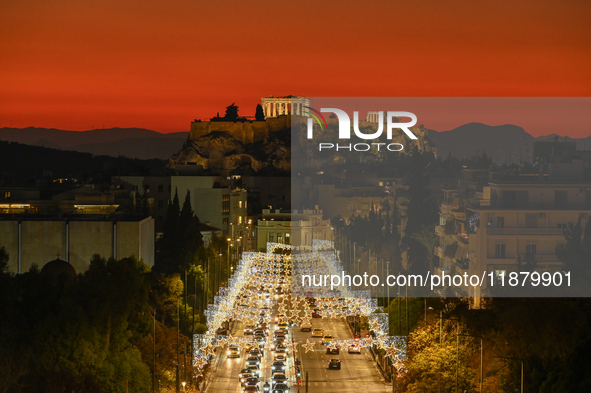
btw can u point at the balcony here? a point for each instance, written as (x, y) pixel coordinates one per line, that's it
(440, 230)
(525, 231)
(438, 251)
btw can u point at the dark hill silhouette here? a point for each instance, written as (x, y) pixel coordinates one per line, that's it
(128, 142)
(20, 163)
(504, 143)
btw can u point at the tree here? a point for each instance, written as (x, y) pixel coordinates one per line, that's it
(574, 255)
(231, 112)
(427, 238)
(260, 114)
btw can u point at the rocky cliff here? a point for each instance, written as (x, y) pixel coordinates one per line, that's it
(219, 150)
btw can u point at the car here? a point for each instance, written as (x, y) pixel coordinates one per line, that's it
(248, 330)
(252, 381)
(256, 352)
(251, 389)
(242, 372)
(318, 333)
(354, 348)
(316, 313)
(278, 341)
(281, 388)
(306, 327)
(334, 364)
(335, 351)
(255, 359)
(233, 351)
(260, 340)
(245, 376)
(255, 369)
(281, 349)
(327, 339)
(278, 367)
(279, 317)
(259, 332)
(281, 357)
(278, 378)
(283, 325)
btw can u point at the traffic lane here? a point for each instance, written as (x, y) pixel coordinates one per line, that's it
(225, 377)
(357, 371)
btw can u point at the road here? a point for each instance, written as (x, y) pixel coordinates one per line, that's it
(357, 371)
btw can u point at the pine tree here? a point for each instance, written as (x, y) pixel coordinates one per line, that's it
(259, 114)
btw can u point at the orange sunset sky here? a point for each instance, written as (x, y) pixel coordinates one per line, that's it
(79, 64)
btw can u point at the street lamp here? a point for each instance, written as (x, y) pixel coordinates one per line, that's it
(481, 357)
(184, 384)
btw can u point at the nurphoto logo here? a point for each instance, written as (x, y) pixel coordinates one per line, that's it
(392, 122)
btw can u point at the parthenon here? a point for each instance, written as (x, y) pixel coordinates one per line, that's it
(292, 105)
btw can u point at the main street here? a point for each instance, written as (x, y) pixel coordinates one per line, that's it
(357, 370)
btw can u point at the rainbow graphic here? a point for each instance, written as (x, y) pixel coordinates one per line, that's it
(316, 115)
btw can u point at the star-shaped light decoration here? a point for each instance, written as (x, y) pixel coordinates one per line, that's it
(308, 346)
(332, 346)
(208, 349)
(231, 340)
(391, 351)
(200, 362)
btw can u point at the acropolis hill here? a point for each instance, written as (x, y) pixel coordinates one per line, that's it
(264, 142)
(245, 131)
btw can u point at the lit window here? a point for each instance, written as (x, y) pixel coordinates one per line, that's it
(239, 219)
(7, 195)
(240, 204)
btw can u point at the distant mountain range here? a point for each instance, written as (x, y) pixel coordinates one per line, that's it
(505, 144)
(127, 142)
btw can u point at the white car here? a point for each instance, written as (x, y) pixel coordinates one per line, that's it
(355, 348)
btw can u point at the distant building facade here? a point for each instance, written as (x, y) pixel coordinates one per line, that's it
(295, 228)
(35, 239)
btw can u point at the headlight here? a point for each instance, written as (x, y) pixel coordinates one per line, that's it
(228, 352)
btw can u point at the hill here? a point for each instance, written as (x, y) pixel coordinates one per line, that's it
(22, 163)
(128, 142)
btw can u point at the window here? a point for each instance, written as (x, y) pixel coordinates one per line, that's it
(7, 195)
(160, 204)
(225, 221)
(271, 237)
(530, 249)
(500, 222)
(147, 188)
(240, 204)
(239, 219)
(500, 251)
(560, 199)
(160, 188)
(531, 220)
(279, 238)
